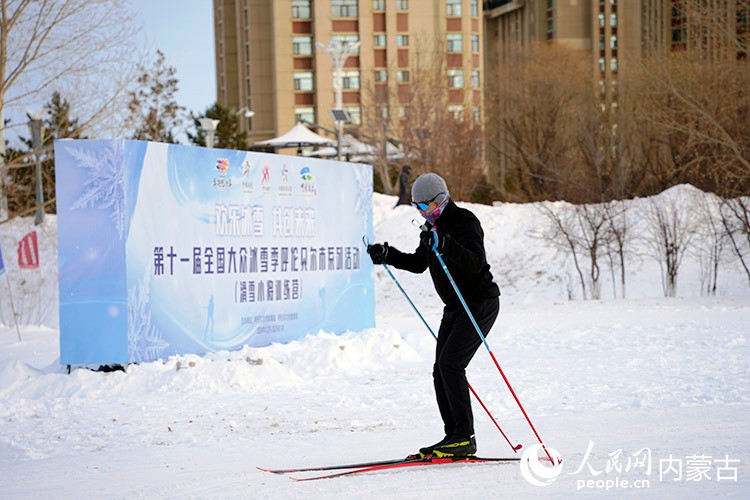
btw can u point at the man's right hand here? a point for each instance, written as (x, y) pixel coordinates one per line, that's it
(378, 252)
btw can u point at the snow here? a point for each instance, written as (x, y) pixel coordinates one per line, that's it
(601, 381)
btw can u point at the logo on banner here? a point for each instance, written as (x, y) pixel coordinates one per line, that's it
(307, 185)
(266, 179)
(2, 261)
(222, 183)
(285, 189)
(28, 252)
(247, 184)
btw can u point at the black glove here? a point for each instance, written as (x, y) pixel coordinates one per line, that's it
(444, 242)
(378, 252)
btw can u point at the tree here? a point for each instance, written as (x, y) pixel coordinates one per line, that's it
(21, 192)
(82, 48)
(228, 133)
(154, 112)
(669, 232)
(430, 117)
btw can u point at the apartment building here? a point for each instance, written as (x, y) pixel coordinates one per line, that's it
(272, 57)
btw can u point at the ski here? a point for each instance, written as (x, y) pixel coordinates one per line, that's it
(360, 468)
(336, 467)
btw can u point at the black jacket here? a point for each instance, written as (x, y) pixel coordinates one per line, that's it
(465, 258)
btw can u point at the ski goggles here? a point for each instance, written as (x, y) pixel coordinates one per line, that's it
(424, 205)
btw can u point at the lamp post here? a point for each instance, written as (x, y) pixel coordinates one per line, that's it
(339, 52)
(209, 126)
(35, 124)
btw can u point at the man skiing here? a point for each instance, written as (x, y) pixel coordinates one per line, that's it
(457, 235)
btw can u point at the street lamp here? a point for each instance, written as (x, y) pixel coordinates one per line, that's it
(248, 113)
(339, 52)
(209, 126)
(37, 135)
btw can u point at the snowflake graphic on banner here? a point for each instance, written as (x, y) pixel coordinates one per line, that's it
(145, 342)
(104, 186)
(363, 202)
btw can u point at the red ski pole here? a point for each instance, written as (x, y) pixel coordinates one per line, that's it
(516, 447)
(484, 341)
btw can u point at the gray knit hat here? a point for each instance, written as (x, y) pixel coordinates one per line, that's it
(427, 186)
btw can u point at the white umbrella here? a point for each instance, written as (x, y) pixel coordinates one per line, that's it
(298, 137)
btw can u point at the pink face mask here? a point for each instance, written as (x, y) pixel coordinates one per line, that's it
(431, 217)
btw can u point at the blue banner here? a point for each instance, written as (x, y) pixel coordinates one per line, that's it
(169, 249)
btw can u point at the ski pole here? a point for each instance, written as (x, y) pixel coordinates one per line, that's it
(515, 448)
(484, 341)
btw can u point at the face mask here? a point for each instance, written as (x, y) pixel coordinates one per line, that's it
(431, 217)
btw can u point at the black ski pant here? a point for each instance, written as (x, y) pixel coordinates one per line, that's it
(457, 342)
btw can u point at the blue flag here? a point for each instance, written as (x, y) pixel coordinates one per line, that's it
(2, 262)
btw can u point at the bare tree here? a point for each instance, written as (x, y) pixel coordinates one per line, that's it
(735, 217)
(80, 48)
(438, 132)
(669, 234)
(711, 241)
(531, 120)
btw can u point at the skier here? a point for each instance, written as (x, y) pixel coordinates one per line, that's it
(457, 235)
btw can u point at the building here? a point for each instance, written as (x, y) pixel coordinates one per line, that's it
(271, 55)
(618, 32)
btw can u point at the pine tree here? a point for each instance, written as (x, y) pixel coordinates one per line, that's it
(59, 124)
(154, 112)
(228, 133)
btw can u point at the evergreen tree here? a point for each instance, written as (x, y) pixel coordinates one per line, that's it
(154, 112)
(228, 133)
(58, 124)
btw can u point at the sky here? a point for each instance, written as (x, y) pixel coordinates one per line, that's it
(183, 30)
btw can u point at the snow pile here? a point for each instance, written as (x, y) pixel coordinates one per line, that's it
(599, 379)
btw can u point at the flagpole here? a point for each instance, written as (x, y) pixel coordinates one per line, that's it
(12, 308)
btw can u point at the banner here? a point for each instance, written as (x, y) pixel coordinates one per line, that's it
(28, 252)
(169, 249)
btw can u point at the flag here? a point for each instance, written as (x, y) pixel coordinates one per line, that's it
(2, 262)
(28, 252)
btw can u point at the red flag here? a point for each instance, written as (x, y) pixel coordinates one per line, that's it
(28, 252)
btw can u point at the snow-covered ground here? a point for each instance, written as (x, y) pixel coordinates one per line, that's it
(613, 385)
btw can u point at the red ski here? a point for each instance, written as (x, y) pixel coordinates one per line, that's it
(360, 468)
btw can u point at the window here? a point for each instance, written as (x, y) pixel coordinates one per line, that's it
(350, 79)
(302, 45)
(378, 40)
(475, 81)
(402, 76)
(344, 8)
(456, 78)
(347, 39)
(457, 110)
(453, 8)
(613, 41)
(307, 114)
(355, 114)
(402, 4)
(475, 44)
(381, 75)
(454, 42)
(402, 40)
(602, 65)
(301, 9)
(613, 64)
(378, 4)
(303, 80)
(613, 19)
(474, 8)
